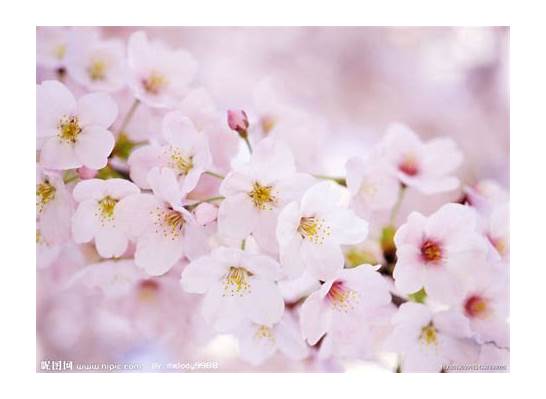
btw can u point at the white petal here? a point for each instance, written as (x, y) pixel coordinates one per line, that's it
(201, 274)
(85, 222)
(53, 102)
(157, 254)
(315, 318)
(93, 147)
(110, 242)
(89, 189)
(237, 217)
(264, 303)
(347, 228)
(97, 109)
(56, 154)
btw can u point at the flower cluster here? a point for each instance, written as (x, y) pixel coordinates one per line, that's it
(169, 221)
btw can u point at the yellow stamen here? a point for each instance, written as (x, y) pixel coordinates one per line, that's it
(313, 229)
(262, 196)
(341, 297)
(183, 164)
(429, 334)
(107, 206)
(264, 332)
(69, 129)
(154, 83)
(236, 281)
(59, 51)
(45, 192)
(97, 70)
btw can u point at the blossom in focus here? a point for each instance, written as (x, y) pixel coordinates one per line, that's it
(427, 341)
(73, 133)
(371, 186)
(98, 66)
(158, 76)
(186, 154)
(257, 191)
(343, 301)
(258, 342)
(97, 214)
(54, 208)
(238, 286)
(164, 231)
(432, 251)
(426, 167)
(310, 232)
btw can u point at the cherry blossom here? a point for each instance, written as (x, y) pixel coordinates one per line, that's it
(426, 167)
(97, 214)
(432, 251)
(343, 302)
(186, 154)
(310, 232)
(73, 133)
(158, 76)
(256, 191)
(238, 286)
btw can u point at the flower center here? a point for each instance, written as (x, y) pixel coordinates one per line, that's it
(147, 290)
(409, 165)
(475, 306)
(429, 334)
(45, 192)
(313, 229)
(154, 83)
(264, 332)
(183, 164)
(69, 129)
(97, 70)
(267, 123)
(59, 51)
(236, 281)
(168, 222)
(431, 252)
(262, 196)
(106, 207)
(499, 244)
(341, 297)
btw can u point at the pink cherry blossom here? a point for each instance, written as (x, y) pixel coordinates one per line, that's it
(186, 154)
(310, 232)
(97, 215)
(158, 76)
(73, 133)
(259, 342)
(432, 251)
(257, 191)
(238, 286)
(426, 167)
(428, 341)
(343, 302)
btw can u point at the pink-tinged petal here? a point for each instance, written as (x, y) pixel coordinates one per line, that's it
(110, 242)
(289, 338)
(442, 286)
(347, 228)
(287, 226)
(224, 313)
(195, 239)
(264, 303)
(254, 345)
(205, 213)
(443, 156)
(202, 274)
(85, 222)
(315, 318)
(97, 109)
(408, 276)
(292, 262)
(433, 185)
(56, 154)
(165, 186)
(293, 187)
(137, 49)
(323, 261)
(411, 313)
(89, 189)
(53, 102)
(450, 220)
(422, 359)
(412, 231)
(133, 213)
(322, 196)
(180, 131)
(453, 323)
(235, 183)
(262, 266)
(93, 147)
(141, 161)
(273, 160)
(355, 173)
(237, 217)
(120, 188)
(55, 221)
(264, 231)
(369, 283)
(156, 254)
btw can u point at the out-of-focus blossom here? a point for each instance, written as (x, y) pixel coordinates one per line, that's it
(163, 229)
(158, 75)
(257, 191)
(371, 185)
(186, 154)
(74, 133)
(310, 232)
(426, 167)
(429, 342)
(54, 208)
(98, 66)
(258, 342)
(432, 251)
(97, 214)
(343, 302)
(238, 286)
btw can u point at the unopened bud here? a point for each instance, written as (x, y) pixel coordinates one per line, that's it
(238, 121)
(86, 173)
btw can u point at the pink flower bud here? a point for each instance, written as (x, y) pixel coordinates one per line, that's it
(238, 121)
(86, 173)
(205, 213)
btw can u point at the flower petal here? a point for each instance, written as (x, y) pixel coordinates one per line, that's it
(94, 146)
